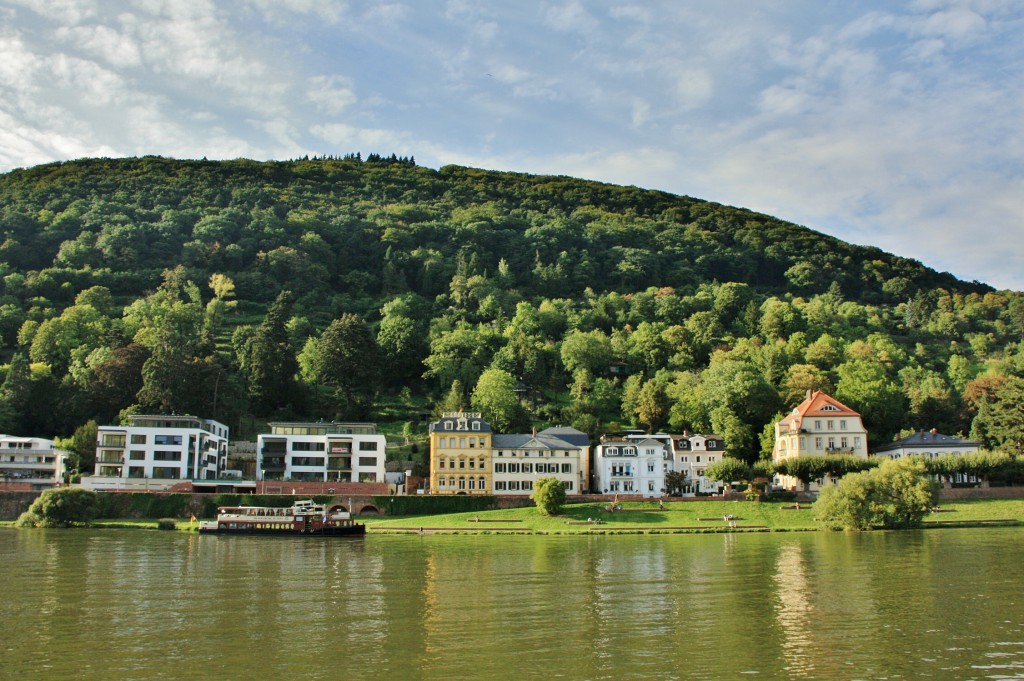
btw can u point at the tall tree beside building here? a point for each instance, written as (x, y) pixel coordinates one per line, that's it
(495, 398)
(346, 360)
(268, 359)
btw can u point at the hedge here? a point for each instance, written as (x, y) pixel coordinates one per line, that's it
(434, 505)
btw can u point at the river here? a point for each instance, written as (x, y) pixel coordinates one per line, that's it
(129, 604)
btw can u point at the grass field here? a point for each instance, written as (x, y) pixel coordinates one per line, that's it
(646, 518)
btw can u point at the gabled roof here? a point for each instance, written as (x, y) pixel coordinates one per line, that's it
(528, 441)
(570, 435)
(926, 440)
(818, 404)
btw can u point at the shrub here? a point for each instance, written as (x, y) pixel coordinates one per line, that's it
(895, 495)
(549, 495)
(62, 507)
(167, 524)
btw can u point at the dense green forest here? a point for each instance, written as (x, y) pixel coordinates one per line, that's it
(328, 287)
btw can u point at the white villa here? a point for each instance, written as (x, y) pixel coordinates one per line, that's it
(818, 426)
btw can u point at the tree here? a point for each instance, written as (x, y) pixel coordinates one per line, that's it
(81, 446)
(810, 468)
(549, 495)
(62, 507)
(269, 359)
(895, 495)
(347, 360)
(495, 398)
(676, 482)
(729, 469)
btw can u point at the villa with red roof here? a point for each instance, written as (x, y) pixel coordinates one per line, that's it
(818, 426)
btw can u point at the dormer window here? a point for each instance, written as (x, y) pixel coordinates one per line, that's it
(447, 425)
(476, 425)
(830, 407)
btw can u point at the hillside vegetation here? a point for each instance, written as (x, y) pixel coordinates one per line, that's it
(329, 288)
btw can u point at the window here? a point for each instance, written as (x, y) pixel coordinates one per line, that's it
(856, 441)
(136, 455)
(308, 446)
(462, 443)
(440, 483)
(499, 486)
(831, 424)
(462, 483)
(472, 463)
(476, 425)
(842, 442)
(817, 443)
(527, 467)
(817, 425)
(368, 446)
(481, 464)
(830, 407)
(831, 443)
(472, 483)
(441, 462)
(650, 468)
(462, 463)
(480, 483)
(567, 468)
(712, 444)
(447, 425)
(166, 456)
(138, 440)
(472, 443)
(499, 468)
(842, 424)
(698, 459)
(367, 461)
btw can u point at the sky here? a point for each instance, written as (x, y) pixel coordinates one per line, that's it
(897, 124)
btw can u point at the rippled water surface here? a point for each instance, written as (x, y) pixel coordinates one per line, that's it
(112, 604)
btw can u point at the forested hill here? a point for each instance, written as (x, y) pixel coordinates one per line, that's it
(128, 283)
(331, 228)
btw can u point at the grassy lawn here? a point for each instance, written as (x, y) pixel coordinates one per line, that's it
(594, 518)
(639, 517)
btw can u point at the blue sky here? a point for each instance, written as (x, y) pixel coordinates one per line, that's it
(894, 124)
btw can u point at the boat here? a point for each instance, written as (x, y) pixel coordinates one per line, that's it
(304, 518)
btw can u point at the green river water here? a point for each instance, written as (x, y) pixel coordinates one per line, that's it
(122, 604)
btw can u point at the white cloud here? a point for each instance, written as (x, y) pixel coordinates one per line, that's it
(103, 42)
(331, 94)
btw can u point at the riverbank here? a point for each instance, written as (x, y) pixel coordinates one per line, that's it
(692, 517)
(674, 517)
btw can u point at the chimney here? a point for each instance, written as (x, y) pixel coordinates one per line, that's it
(935, 431)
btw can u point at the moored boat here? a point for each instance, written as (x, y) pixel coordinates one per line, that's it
(304, 518)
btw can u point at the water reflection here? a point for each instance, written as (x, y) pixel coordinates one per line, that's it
(134, 605)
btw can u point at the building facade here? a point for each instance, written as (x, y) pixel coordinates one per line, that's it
(819, 426)
(31, 463)
(321, 452)
(632, 464)
(520, 460)
(692, 454)
(162, 448)
(460, 454)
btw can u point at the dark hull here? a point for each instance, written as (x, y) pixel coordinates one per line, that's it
(344, 531)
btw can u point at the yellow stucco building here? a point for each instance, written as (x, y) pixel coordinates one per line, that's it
(460, 454)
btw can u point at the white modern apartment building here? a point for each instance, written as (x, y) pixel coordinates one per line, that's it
(154, 447)
(518, 461)
(321, 452)
(31, 463)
